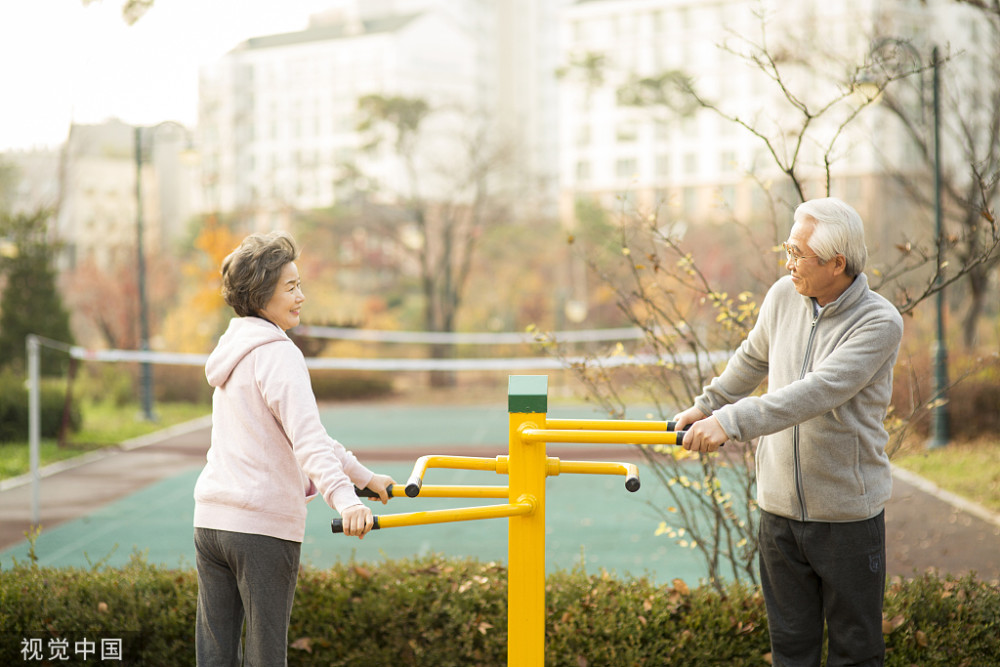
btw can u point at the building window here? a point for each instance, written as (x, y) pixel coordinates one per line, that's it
(661, 132)
(727, 162)
(627, 133)
(626, 168)
(690, 201)
(663, 165)
(582, 171)
(690, 164)
(727, 197)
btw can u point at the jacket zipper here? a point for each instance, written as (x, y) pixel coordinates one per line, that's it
(799, 486)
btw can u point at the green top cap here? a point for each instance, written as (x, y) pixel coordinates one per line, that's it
(528, 393)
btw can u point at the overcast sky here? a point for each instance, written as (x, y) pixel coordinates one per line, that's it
(61, 61)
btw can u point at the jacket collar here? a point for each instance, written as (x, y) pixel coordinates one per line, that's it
(854, 293)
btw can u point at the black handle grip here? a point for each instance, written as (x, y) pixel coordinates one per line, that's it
(632, 483)
(680, 437)
(368, 493)
(672, 426)
(413, 486)
(337, 525)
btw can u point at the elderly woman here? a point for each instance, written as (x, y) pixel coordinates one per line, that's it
(269, 456)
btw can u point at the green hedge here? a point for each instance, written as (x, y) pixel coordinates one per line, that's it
(336, 385)
(14, 408)
(436, 611)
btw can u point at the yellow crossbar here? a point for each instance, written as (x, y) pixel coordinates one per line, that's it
(553, 467)
(556, 467)
(601, 437)
(609, 424)
(416, 479)
(456, 491)
(524, 506)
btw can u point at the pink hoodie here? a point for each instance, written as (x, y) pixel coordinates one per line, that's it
(270, 453)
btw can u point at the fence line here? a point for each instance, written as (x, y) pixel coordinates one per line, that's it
(34, 343)
(407, 364)
(461, 338)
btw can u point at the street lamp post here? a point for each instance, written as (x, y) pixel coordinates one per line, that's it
(146, 367)
(940, 431)
(939, 413)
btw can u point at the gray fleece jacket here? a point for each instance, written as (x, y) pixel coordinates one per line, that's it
(821, 456)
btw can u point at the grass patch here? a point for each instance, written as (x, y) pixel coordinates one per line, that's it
(15, 456)
(971, 470)
(104, 425)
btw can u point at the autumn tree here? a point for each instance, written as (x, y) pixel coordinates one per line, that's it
(200, 314)
(437, 203)
(968, 116)
(657, 265)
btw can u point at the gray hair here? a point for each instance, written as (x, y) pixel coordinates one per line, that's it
(250, 273)
(838, 230)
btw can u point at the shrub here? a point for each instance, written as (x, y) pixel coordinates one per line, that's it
(14, 408)
(333, 385)
(973, 400)
(180, 384)
(106, 382)
(442, 612)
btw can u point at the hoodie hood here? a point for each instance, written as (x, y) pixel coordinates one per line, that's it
(244, 335)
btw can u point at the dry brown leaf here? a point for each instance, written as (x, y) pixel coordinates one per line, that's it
(889, 626)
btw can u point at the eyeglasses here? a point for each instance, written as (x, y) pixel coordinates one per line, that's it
(793, 256)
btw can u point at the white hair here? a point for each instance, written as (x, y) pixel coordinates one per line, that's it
(838, 231)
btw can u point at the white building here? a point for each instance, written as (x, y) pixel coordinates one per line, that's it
(96, 207)
(703, 165)
(278, 115)
(31, 180)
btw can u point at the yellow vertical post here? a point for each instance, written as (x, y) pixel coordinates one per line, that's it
(527, 403)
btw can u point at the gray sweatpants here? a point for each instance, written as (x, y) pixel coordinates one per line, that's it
(244, 576)
(811, 571)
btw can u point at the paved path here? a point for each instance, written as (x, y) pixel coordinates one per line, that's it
(925, 527)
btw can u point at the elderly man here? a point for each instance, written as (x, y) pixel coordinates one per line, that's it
(826, 344)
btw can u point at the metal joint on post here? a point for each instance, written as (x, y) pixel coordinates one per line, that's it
(529, 500)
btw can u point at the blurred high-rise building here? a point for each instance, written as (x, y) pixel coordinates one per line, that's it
(764, 70)
(278, 115)
(88, 186)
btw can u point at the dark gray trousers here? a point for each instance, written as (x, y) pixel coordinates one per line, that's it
(814, 571)
(243, 576)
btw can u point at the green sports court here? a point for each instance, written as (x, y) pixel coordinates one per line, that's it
(591, 520)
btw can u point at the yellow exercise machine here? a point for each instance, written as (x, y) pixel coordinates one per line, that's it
(526, 467)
